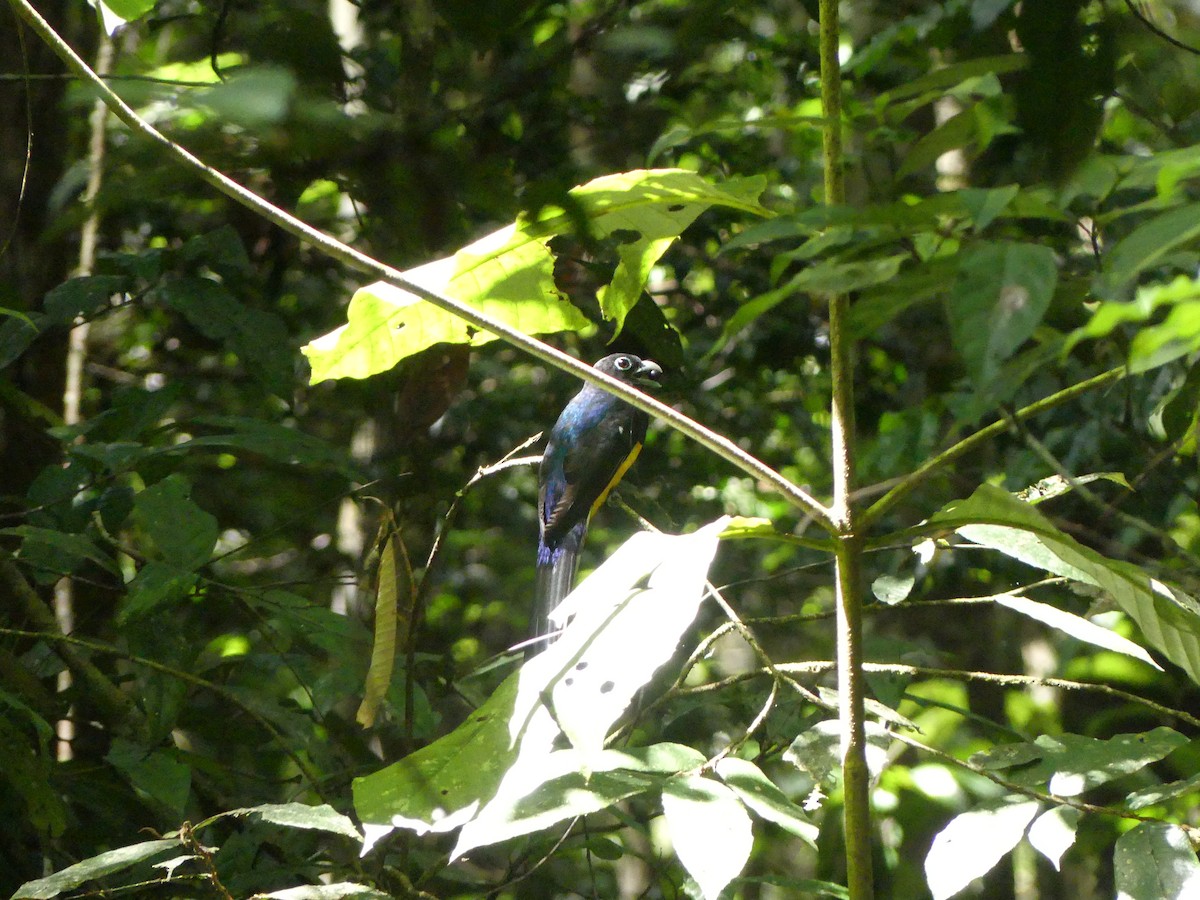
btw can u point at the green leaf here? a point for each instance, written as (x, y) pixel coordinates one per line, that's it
(1075, 626)
(334, 891)
(1002, 292)
(892, 589)
(437, 787)
(984, 205)
(1153, 345)
(763, 798)
(1071, 764)
(155, 775)
(1169, 618)
(567, 784)
(508, 275)
(1146, 247)
(956, 132)
(303, 816)
(1056, 485)
(183, 534)
(1160, 793)
(257, 337)
(69, 549)
(82, 296)
(155, 583)
(94, 867)
(972, 843)
(709, 829)
(1155, 861)
(393, 576)
(818, 752)
(130, 10)
(275, 441)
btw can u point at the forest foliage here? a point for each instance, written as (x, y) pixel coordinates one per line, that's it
(269, 521)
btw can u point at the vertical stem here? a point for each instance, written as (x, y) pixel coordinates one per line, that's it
(64, 590)
(855, 777)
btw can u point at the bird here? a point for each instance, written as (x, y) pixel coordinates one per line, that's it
(591, 447)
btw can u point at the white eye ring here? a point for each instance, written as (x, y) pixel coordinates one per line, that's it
(623, 363)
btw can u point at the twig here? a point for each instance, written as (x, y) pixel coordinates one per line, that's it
(918, 475)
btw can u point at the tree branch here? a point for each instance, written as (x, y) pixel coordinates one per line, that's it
(716, 443)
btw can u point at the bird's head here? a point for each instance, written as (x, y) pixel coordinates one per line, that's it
(631, 369)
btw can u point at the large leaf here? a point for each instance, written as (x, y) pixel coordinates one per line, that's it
(95, 867)
(258, 337)
(1070, 764)
(1053, 833)
(1076, 626)
(1155, 861)
(567, 784)
(1147, 246)
(1002, 291)
(440, 786)
(508, 275)
(1169, 618)
(183, 534)
(619, 633)
(709, 829)
(972, 843)
(760, 795)
(499, 774)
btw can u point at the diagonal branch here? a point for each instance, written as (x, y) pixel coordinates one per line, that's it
(716, 443)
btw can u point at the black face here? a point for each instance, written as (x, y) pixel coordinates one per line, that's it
(632, 369)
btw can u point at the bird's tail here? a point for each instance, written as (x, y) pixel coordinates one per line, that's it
(555, 578)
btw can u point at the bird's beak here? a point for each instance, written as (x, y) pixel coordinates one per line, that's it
(648, 373)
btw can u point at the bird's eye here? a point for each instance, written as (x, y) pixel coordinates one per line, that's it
(623, 363)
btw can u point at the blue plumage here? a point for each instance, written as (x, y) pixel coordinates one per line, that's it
(593, 443)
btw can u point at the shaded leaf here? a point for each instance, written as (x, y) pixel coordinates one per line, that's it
(1070, 764)
(1146, 247)
(183, 534)
(94, 867)
(301, 815)
(1001, 293)
(1155, 861)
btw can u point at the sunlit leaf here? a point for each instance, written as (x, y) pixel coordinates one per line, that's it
(508, 275)
(1053, 833)
(1076, 626)
(972, 843)
(1169, 618)
(763, 798)
(709, 829)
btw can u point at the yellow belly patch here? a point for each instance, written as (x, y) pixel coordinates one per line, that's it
(617, 476)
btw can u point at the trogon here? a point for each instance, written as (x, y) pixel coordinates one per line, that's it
(592, 445)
